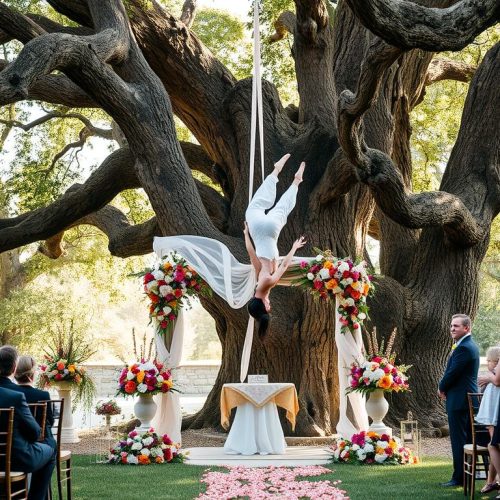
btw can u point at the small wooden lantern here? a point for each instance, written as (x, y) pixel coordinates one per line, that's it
(411, 434)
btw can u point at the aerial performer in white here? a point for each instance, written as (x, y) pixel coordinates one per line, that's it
(264, 229)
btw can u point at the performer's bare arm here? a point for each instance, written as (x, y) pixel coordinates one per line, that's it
(288, 259)
(251, 250)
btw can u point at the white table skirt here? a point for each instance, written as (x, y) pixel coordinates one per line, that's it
(256, 430)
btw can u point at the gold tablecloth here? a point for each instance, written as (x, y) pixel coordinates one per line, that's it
(283, 395)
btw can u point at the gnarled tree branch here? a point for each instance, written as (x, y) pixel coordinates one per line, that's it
(312, 17)
(188, 12)
(417, 211)
(285, 23)
(408, 25)
(447, 69)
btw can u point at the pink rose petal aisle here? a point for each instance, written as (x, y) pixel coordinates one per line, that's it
(270, 482)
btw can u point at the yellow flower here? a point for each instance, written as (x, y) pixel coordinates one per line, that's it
(393, 444)
(168, 382)
(327, 264)
(140, 376)
(331, 284)
(71, 368)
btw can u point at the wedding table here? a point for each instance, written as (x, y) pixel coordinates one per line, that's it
(256, 426)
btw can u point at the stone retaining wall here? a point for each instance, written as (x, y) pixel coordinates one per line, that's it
(192, 377)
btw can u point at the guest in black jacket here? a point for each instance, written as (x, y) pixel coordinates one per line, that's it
(460, 377)
(25, 375)
(28, 455)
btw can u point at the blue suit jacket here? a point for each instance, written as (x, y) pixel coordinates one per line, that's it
(460, 376)
(27, 453)
(34, 395)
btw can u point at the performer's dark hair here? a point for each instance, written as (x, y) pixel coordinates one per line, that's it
(257, 309)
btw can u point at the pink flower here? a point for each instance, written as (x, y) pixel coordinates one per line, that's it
(303, 264)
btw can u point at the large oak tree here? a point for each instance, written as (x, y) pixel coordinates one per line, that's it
(359, 75)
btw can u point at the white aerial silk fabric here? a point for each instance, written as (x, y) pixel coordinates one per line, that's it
(256, 102)
(168, 418)
(235, 283)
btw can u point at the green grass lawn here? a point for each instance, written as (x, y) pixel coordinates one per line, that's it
(182, 482)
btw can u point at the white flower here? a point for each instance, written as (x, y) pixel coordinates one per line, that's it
(361, 455)
(349, 281)
(350, 302)
(152, 285)
(377, 374)
(344, 453)
(129, 441)
(325, 274)
(156, 452)
(137, 446)
(160, 379)
(148, 365)
(146, 452)
(344, 266)
(142, 387)
(362, 316)
(310, 276)
(188, 274)
(138, 438)
(164, 290)
(168, 279)
(147, 441)
(355, 447)
(167, 310)
(132, 460)
(380, 458)
(319, 258)
(159, 275)
(130, 375)
(368, 448)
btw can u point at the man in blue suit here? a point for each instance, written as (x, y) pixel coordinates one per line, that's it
(460, 377)
(28, 455)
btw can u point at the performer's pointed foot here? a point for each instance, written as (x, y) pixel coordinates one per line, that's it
(298, 176)
(278, 166)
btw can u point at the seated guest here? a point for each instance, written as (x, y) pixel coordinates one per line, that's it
(28, 455)
(25, 375)
(489, 413)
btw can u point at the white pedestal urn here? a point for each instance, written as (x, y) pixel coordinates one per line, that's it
(145, 410)
(377, 408)
(69, 433)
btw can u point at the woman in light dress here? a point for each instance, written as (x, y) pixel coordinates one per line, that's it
(489, 412)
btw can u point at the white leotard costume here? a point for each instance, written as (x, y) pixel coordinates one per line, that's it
(265, 228)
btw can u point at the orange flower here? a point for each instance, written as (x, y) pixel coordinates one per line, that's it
(60, 365)
(385, 382)
(71, 368)
(331, 284)
(366, 289)
(167, 266)
(393, 444)
(143, 459)
(140, 376)
(173, 304)
(372, 434)
(327, 264)
(159, 460)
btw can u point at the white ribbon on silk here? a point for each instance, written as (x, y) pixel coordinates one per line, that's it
(168, 418)
(256, 102)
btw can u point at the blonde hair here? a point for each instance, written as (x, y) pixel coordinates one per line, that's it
(493, 353)
(25, 370)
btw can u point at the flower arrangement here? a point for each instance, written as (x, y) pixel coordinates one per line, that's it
(371, 448)
(62, 363)
(107, 408)
(144, 449)
(379, 370)
(145, 377)
(169, 286)
(328, 276)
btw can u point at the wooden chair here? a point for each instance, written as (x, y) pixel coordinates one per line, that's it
(63, 461)
(474, 451)
(39, 412)
(8, 478)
